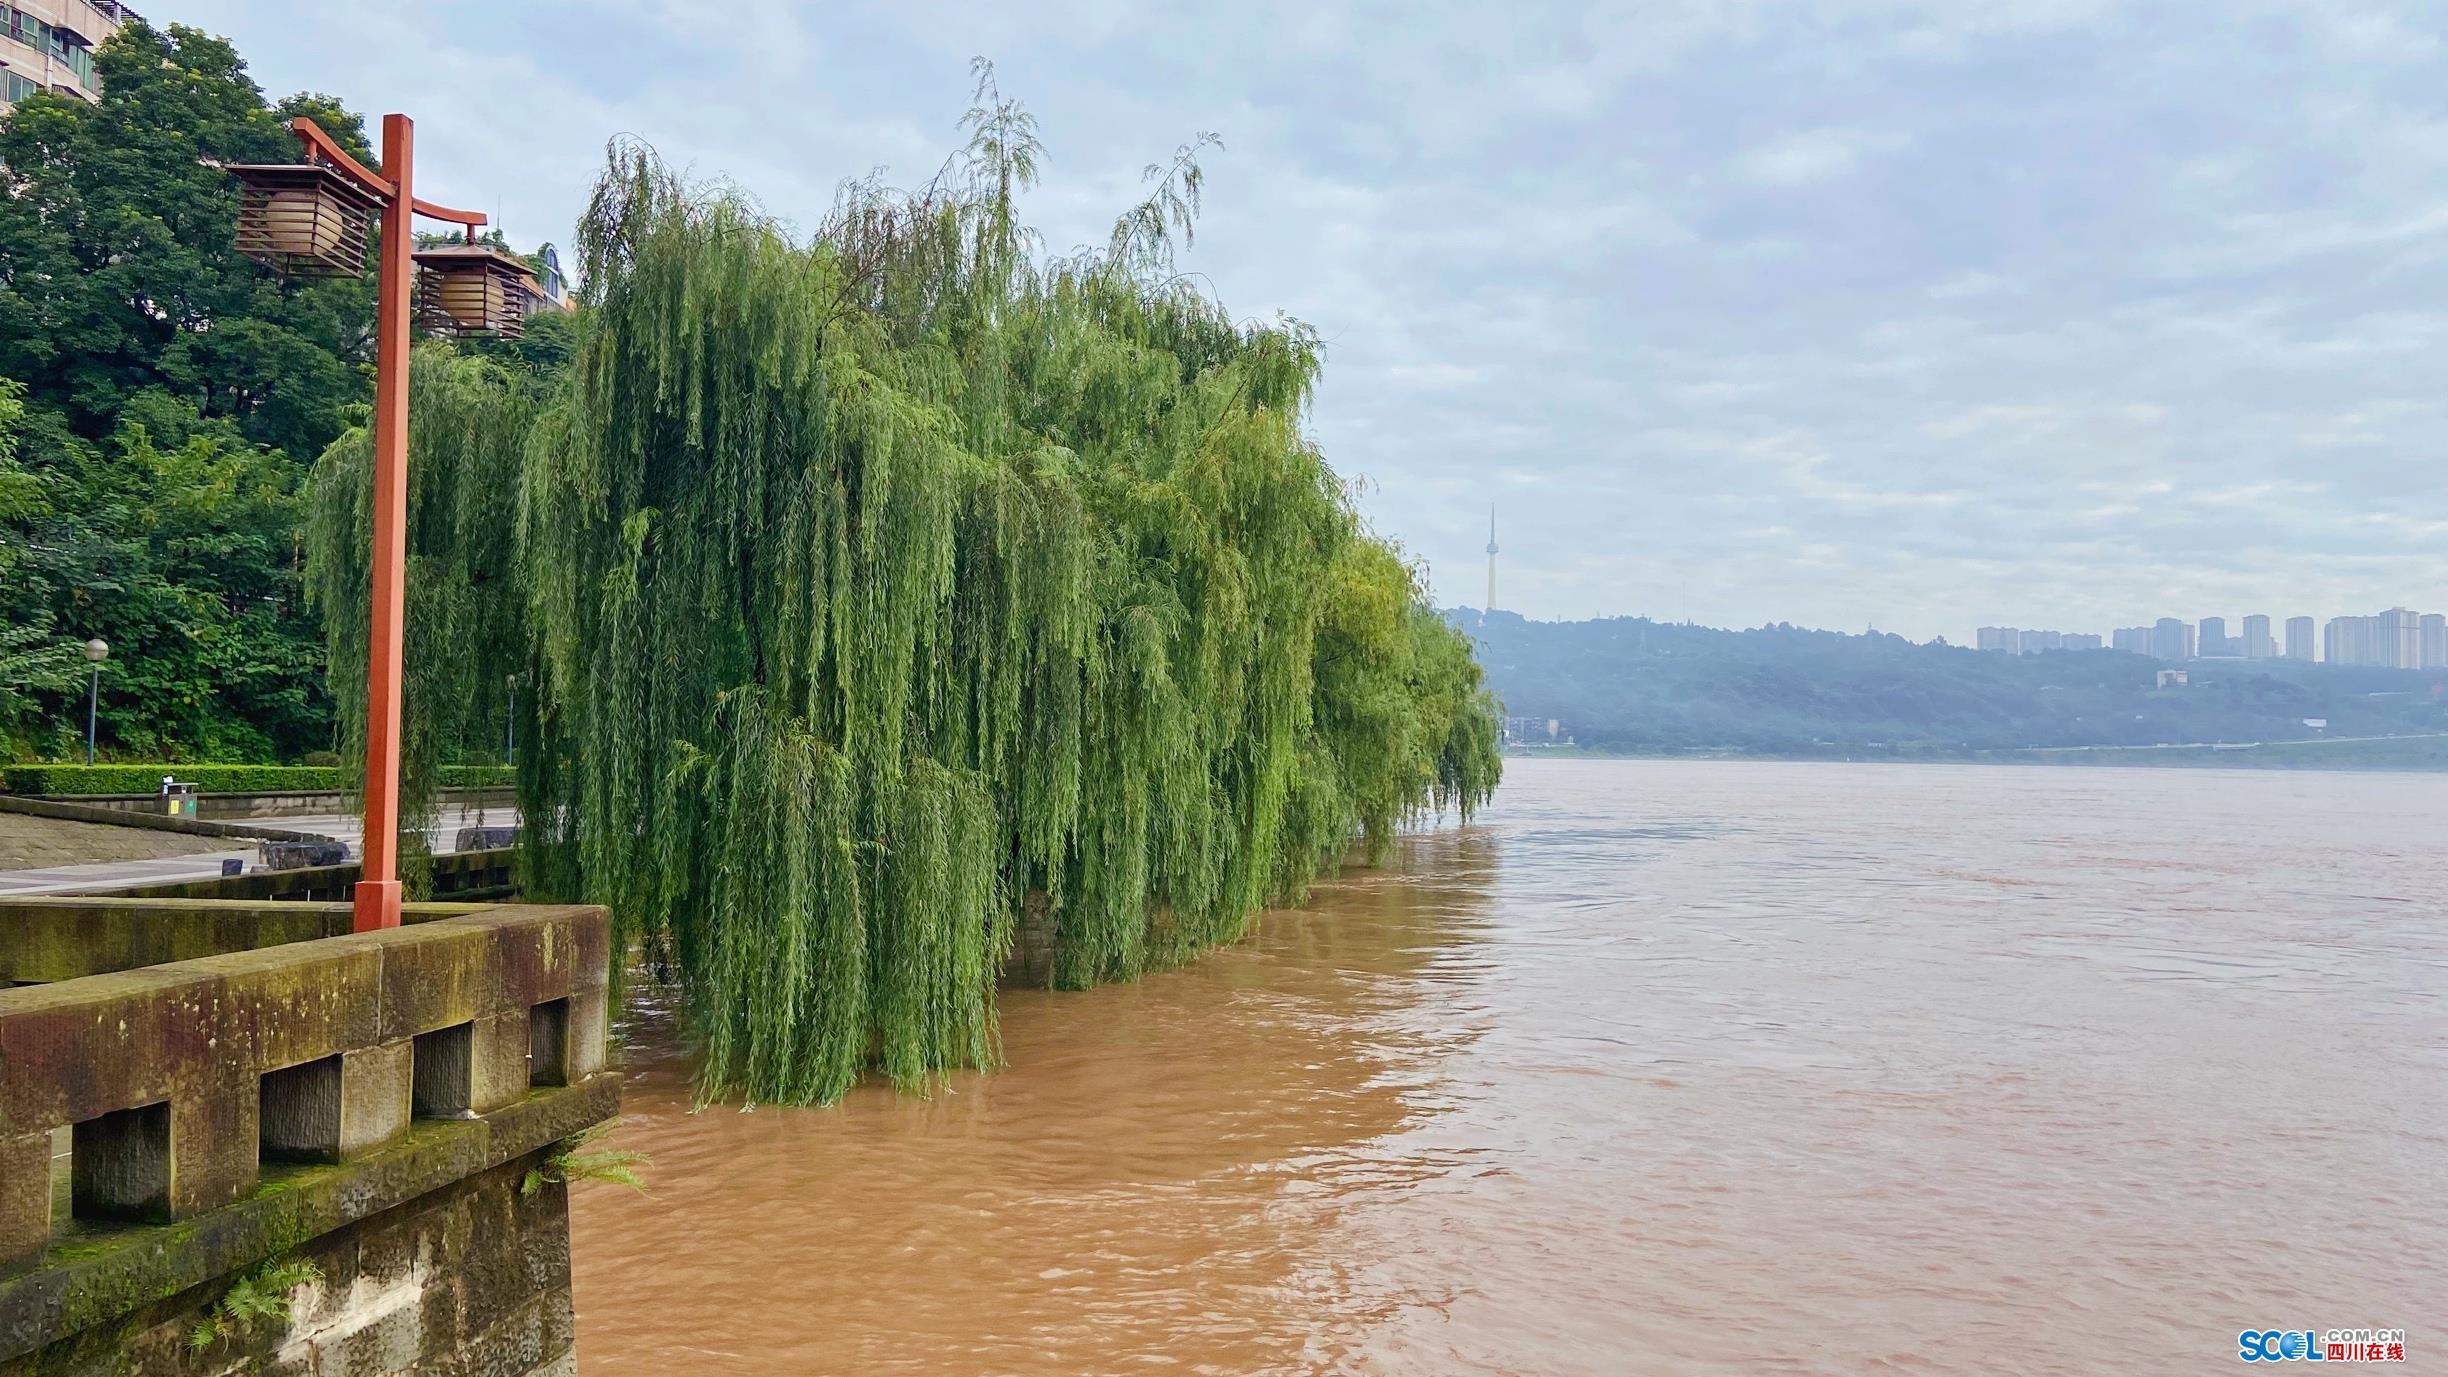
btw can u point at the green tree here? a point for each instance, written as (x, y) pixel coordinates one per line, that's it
(878, 591)
(466, 632)
(117, 277)
(33, 658)
(21, 493)
(175, 395)
(186, 558)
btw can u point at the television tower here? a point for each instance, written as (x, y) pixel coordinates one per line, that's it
(1491, 598)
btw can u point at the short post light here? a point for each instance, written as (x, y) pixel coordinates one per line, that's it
(310, 217)
(96, 651)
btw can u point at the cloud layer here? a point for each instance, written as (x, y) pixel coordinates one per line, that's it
(1923, 314)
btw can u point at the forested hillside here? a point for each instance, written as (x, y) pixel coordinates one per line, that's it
(1631, 684)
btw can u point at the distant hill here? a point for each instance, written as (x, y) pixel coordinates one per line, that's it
(1633, 685)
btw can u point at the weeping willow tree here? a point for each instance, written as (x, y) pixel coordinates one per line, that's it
(464, 637)
(883, 587)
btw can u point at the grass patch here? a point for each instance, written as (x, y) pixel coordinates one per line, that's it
(578, 1159)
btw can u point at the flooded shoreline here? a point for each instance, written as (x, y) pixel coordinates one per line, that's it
(1661, 1067)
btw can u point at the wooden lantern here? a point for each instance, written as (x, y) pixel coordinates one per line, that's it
(302, 219)
(474, 289)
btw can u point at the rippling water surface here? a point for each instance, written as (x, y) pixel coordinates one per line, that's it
(1658, 1068)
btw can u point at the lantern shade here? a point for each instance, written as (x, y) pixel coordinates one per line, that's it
(303, 219)
(474, 289)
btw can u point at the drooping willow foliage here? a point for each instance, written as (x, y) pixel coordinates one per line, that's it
(466, 628)
(886, 586)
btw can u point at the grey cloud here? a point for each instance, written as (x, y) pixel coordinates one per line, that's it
(1925, 313)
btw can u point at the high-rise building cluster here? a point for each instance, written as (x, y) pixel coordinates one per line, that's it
(2397, 639)
(2014, 641)
(2166, 639)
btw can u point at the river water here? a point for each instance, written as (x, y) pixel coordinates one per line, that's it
(1659, 1067)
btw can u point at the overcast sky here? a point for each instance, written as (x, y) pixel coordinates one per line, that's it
(2057, 313)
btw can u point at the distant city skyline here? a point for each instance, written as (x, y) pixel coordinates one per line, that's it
(2394, 638)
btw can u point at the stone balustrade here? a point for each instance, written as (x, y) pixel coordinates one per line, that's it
(489, 875)
(204, 1090)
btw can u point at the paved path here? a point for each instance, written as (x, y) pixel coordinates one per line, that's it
(205, 865)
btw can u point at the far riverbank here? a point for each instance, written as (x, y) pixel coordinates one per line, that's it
(2426, 752)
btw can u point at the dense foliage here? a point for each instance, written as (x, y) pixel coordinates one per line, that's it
(175, 395)
(887, 589)
(466, 632)
(33, 660)
(1631, 684)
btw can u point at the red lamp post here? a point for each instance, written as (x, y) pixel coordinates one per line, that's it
(304, 217)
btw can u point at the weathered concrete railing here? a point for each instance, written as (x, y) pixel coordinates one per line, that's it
(457, 877)
(195, 827)
(227, 807)
(371, 1103)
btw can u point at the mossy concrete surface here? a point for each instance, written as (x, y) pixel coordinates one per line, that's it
(49, 938)
(433, 1260)
(46, 940)
(242, 1085)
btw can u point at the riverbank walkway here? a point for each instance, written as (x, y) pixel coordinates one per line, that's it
(104, 875)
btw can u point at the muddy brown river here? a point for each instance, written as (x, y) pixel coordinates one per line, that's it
(1659, 1067)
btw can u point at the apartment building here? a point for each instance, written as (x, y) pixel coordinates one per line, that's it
(47, 45)
(2391, 640)
(2399, 638)
(2299, 632)
(2172, 639)
(2007, 640)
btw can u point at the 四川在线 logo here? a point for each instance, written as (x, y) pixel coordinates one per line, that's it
(2321, 1345)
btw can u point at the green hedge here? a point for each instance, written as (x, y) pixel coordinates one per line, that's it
(85, 780)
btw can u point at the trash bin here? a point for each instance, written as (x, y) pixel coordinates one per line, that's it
(178, 800)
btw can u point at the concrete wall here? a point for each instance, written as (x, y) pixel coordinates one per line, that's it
(158, 822)
(369, 1102)
(473, 1278)
(233, 806)
(458, 877)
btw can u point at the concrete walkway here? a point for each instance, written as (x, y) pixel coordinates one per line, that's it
(77, 879)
